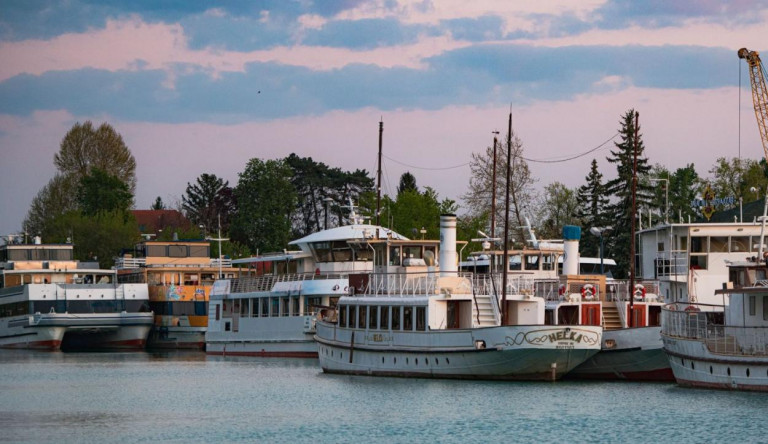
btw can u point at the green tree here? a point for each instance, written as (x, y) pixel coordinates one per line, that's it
(591, 203)
(101, 192)
(619, 211)
(407, 182)
(56, 198)
(265, 198)
(557, 209)
(208, 201)
(683, 186)
(736, 177)
(158, 205)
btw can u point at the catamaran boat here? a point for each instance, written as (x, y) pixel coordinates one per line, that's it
(49, 301)
(179, 275)
(723, 346)
(432, 322)
(271, 307)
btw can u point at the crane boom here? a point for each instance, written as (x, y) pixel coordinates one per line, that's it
(759, 93)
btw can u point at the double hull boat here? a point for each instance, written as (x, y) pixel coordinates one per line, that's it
(723, 346)
(49, 301)
(436, 323)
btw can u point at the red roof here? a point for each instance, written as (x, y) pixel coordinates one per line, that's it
(150, 221)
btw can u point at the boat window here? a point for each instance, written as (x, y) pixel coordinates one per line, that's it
(322, 251)
(394, 256)
(395, 318)
(255, 307)
(413, 252)
(14, 309)
(421, 318)
(244, 308)
(199, 251)
(532, 262)
(752, 302)
(177, 251)
(285, 307)
(515, 262)
(46, 306)
(364, 254)
(295, 307)
(548, 262)
(660, 246)
(264, 307)
(201, 308)
(765, 308)
(698, 244)
(361, 311)
(718, 244)
(698, 262)
(218, 312)
(373, 318)
(682, 242)
(275, 309)
(407, 318)
(739, 244)
(384, 317)
(342, 315)
(352, 316)
(190, 279)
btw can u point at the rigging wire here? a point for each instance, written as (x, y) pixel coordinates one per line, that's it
(425, 168)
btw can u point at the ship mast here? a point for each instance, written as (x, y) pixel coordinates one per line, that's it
(378, 179)
(505, 257)
(632, 222)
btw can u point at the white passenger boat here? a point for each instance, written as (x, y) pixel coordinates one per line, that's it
(270, 309)
(722, 346)
(50, 301)
(430, 323)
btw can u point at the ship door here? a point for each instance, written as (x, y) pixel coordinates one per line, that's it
(453, 314)
(638, 316)
(590, 314)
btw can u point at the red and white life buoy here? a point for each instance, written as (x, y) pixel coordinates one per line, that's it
(561, 290)
(639, 291)
(588, 292)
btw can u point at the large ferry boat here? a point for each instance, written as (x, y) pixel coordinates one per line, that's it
(49, 301)
(723, 346)
(441, 323)
(179, 275)
(270, 309)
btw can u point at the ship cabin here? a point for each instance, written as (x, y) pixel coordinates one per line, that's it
(47, 264)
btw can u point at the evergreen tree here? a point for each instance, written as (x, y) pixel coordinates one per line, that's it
(407, 182)
(619, 211)
(207, 200)
(591, 205)
(158, 205)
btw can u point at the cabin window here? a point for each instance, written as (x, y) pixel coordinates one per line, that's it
(740, 244)
(43, 306)
(352, 316)
(373, 318)
(532, 262)
(218, 312)
(177, 251)
(421, 318)
(244, 308)
(199, 251)
(515, 262)
(395, 318)
(364, 254)
(407, 318)
(295, 307)
(394, 256)
(660, 246)
(718, 244)
(285, 306)
(342, 315)
(765, 308)
(384, 317)
(264, 307)
(752, 302)
(255, 308)
(312, 304)
(699, 262)
(361, 311)
(275, 309)
(548, 262)
(698, 244)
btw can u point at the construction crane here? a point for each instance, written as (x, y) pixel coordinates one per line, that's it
(759, 93)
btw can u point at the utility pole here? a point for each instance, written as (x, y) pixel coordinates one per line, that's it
(493, 198)
(505, 256)
(378, 178)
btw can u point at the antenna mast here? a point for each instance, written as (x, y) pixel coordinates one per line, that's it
(378, 177)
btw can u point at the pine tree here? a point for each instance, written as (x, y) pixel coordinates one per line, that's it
(619, 211)
(592, 202)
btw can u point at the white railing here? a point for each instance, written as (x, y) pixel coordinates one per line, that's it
(705, 323)
(267, 282)
(130, 262)
(141, 262)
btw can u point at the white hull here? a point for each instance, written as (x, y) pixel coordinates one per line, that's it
(508, 352)
(694, 365)
(27, 332)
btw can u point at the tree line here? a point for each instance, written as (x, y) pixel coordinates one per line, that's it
(88, 201)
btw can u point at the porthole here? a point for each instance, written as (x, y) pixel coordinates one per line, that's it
(747, 373)
(710, 369)
(729, 371)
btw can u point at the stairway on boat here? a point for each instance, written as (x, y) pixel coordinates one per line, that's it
(611, 318)
(483, 313)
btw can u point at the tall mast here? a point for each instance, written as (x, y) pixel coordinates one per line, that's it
(378, 177)
(505, 257)
(493, 198)
(632, 221)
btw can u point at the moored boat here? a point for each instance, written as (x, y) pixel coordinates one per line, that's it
(428, 323)
(49, 301)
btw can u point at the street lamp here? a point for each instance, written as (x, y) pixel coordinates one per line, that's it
(599, 231)
(666, 198)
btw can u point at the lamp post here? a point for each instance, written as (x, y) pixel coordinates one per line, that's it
(599, 231)
(666, 198)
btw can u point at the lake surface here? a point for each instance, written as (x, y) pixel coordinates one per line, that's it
(190, 397)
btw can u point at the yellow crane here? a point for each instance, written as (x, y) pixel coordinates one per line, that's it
(759, 93)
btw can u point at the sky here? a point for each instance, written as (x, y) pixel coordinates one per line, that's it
(195, 88)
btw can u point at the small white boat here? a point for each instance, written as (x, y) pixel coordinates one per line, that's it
(50, 301)
(428, 323)
(722, 346)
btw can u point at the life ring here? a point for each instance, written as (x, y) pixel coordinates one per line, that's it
(588, 292)
(561, 290)
(639, 291)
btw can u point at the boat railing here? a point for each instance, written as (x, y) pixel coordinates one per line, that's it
(704, 322)
(252, 284)
(671, 263)
(123, 263)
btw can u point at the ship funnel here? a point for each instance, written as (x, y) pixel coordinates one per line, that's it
(449, 264)
(571, 237)
(38, 240)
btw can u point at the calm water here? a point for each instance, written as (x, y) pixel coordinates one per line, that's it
(191, 397)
